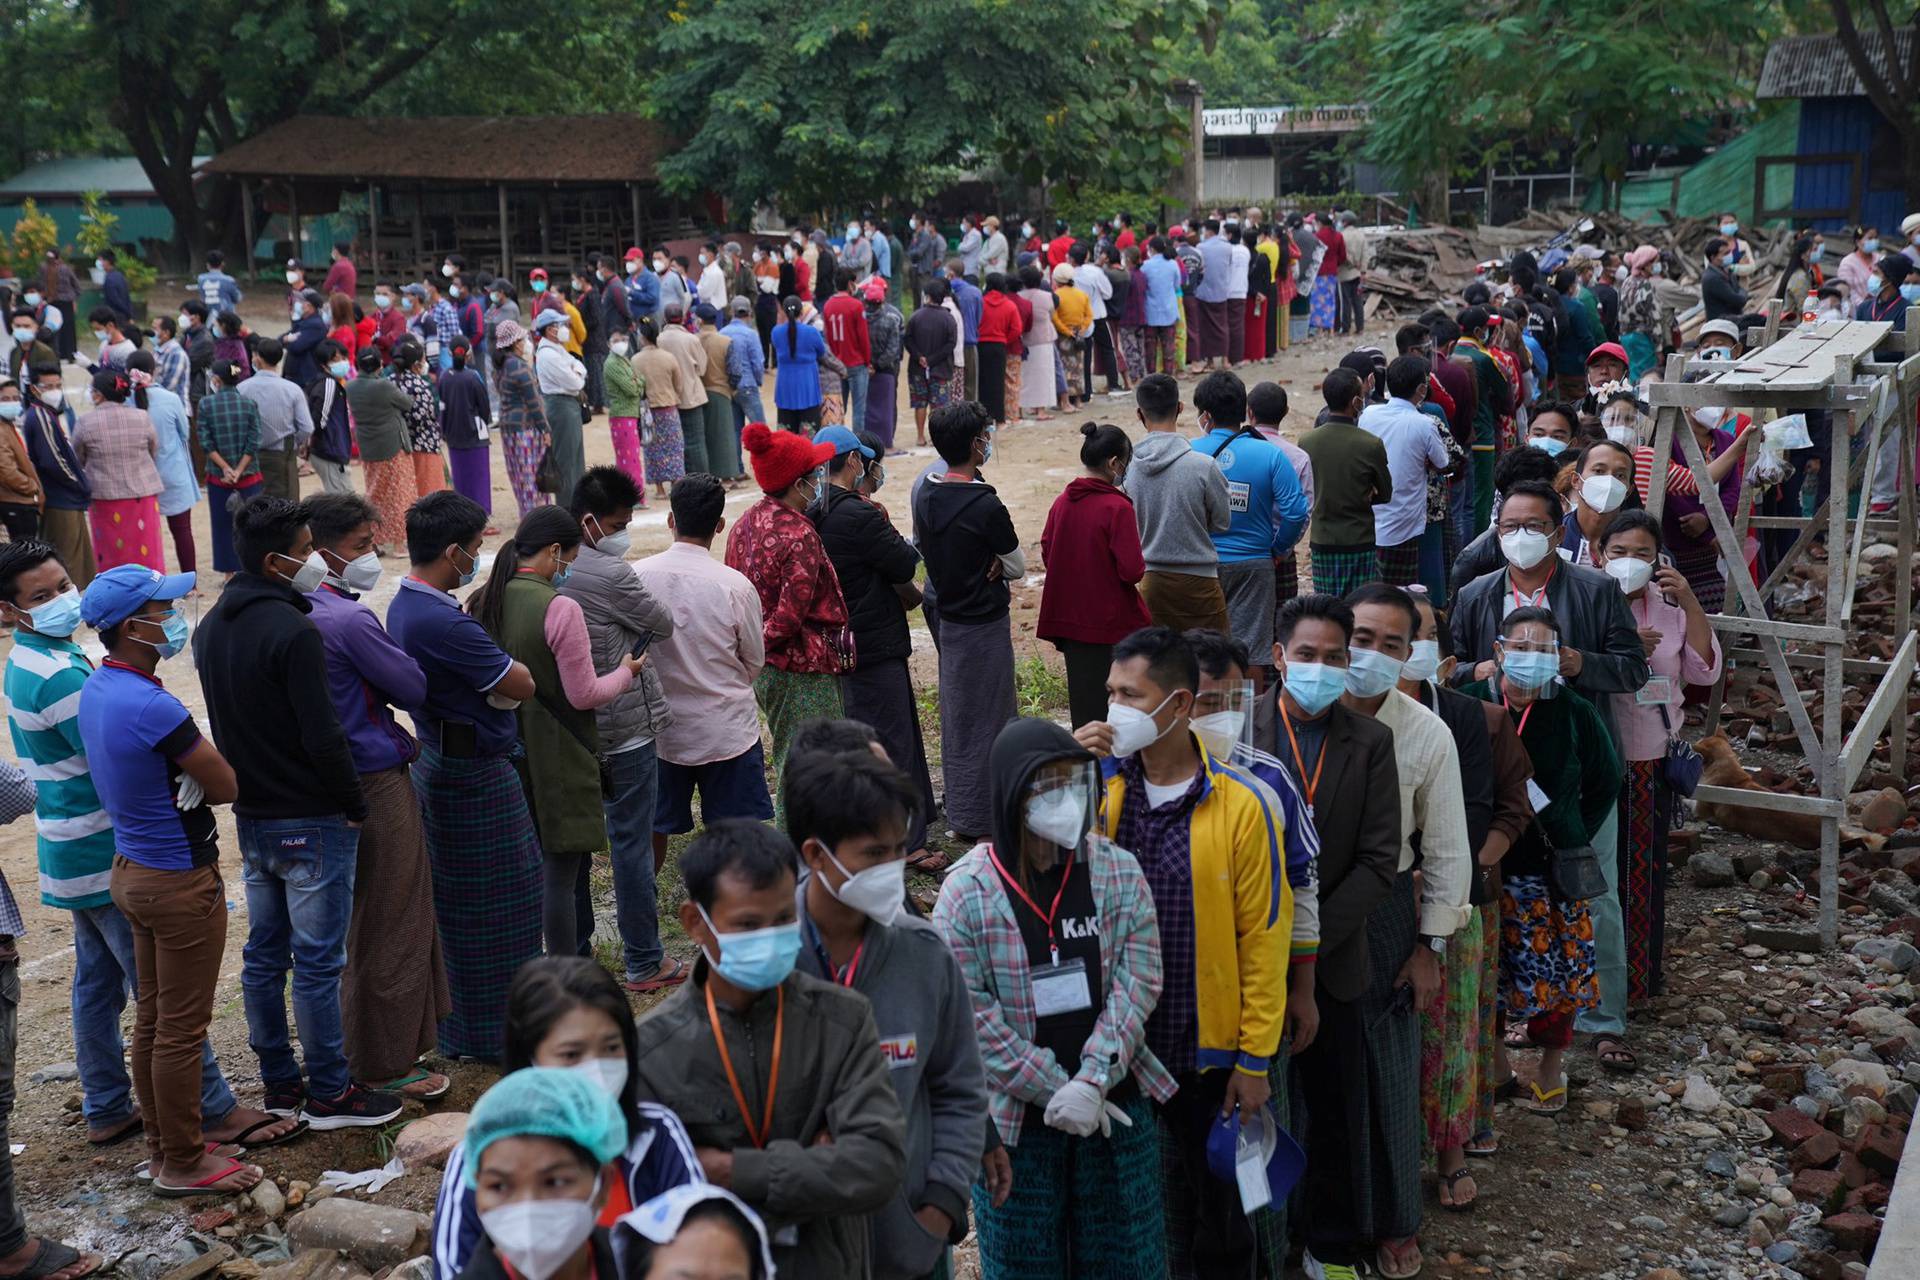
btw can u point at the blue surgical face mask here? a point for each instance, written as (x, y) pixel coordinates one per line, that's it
(539, 286)
(1372, 673)
(1530, 670)
(382, 300)
(1552, 446)
(758, 959)
(1911, 292)
(1314, 685)
(10, 410)
(100, 335)
(58, 616)
(561, 574)
(339, 368)
(406, 302)
(473, 567)
(24, 336)
(173, 630)
(1875, 283)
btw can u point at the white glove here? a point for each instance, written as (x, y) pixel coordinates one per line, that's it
(189, 794)
(1079, 1109)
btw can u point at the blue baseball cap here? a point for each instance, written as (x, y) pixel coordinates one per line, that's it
(116, 595)
(1285, 1161)
(843, 441)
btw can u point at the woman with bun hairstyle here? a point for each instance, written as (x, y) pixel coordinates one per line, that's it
(118, 449)
(801, 349)
(1091, 548)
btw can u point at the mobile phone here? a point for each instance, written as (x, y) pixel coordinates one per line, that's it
(640, 645)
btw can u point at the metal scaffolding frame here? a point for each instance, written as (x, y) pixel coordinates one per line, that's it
(1828, 365)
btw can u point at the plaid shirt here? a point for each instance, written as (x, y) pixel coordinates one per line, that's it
(229, 424)
(1164, 838)
(16, 800)
(441, 324)
(975, 915)
(171, 367)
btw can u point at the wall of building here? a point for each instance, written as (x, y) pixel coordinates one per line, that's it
(1849, 126)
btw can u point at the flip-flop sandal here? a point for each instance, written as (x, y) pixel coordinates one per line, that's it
(1451, 1181)
(1408, 1259)
(1613, 1054)
(930, 862)
(225, 1150)
(51, 1258)
(1482, 1146)
(1518, 1037)
(119, 1133)
(1549, 1103)
(404, 1085)
(245, 1137)
(663, 978)
(205, 1187)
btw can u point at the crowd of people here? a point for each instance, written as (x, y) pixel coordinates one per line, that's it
(1183, 934)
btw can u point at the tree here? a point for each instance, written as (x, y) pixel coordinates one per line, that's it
(1892, 82)
(52, 89)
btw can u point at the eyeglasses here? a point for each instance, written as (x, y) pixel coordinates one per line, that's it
(1530, 526)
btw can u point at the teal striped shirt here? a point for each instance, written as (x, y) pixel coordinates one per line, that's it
(43, 680)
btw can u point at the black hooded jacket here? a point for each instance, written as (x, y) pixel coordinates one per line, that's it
(871, 559)
(962, 528)
(1023, 748)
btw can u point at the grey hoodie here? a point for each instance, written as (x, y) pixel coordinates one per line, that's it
(1180, 500)
(925, 1019)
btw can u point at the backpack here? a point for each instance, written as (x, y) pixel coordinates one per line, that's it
(1196, 266)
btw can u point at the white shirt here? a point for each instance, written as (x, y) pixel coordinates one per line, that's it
(559, 373)
(1412, 440)
(713, 287)
(706, 667)
(1241, 260)
(1093, 282)
(1431, 803)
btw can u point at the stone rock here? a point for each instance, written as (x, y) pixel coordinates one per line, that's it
(1664, 1273)
(1646, 1222)
(1886, 810)
(211, 1219)
(1734, 1215)
(1782, 937)
(1879, 1148)
(1855, 1231)
(1791, 1126)
(268, 1198)
(1890, 900)
(372, 1235)
(1711, 870)
(1817, 1152)
(316, 1264)
(1877, 1022)
(1861, 1114)
(1902, 1099)
(413, 1269)
(1782, 1252)
(1700, 1096)
(1894, 955)
(1823, 1188)
(1869, 1075)
(1631, 1114)
(204, 1265)
(56, 1072)
(428, 1140)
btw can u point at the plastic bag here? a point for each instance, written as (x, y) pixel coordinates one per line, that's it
(1789, 432)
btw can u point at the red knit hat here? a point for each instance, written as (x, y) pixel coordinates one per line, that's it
(781, 457)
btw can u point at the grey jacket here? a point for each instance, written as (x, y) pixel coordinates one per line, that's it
(618, 608)
(925, 1019)
(1180, 499)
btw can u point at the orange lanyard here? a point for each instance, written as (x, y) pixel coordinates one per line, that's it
(1047, 917)
(758, 1136)
(1300, 761)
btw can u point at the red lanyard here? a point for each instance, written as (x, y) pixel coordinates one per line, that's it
(125, 666)
(1521, 728)
(845, 976)
(1533, 598)
(1307, 786)
(758, 1136)
(1047, 916)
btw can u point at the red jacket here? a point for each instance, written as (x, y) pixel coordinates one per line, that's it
(390, 327)
(999, 319)
(847, 336)
(1057, 249)
(1091, 550)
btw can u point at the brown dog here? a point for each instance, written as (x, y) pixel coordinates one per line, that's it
(1725, 770)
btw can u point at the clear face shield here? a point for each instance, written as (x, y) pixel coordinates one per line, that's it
(1620, 418)
(1223, 717)
(1061, 802)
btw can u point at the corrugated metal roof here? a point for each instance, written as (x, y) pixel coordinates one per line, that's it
(1818, 67)
(115, 175)
(480, 149)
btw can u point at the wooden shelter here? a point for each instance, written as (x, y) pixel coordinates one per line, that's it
(507, 193)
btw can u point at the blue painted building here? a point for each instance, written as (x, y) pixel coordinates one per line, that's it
(1847, 164)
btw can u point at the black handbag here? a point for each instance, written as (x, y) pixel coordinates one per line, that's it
(1573, 874)
(1683, 765)
(546, 477)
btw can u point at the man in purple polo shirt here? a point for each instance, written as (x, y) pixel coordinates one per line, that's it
(393, 992)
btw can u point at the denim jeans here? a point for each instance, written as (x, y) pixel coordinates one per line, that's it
(636, 786)
(746, 408)
(299, 878)
(857, 377)
(102, 981)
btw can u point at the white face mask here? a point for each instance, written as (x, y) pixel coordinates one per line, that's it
(1630, 573)
(52, 397)
(1524, 548)
(312, 572)
(538, 1236)
(877, 893)
(615, 544)
(1624, 435)
(361, 574)
(446, 269)
(1219, 731)
(1134, 729)
(609, 1075)
(1424, 664)
(619, 348)
(293, 277)
(1059, 815)
(1603, 493)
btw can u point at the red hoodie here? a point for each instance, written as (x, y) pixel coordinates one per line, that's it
(999, 320)
(1091, 550)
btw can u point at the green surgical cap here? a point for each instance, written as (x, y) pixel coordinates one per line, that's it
(546, 1102)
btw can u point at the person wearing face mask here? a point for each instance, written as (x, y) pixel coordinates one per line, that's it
(540, 1149)
(1210, 842)
(308, 332)
(768, 1137)
(850, 815)
(480, 836)
(1547, 959)
(966, 535)
(463, 419)
(28, 348)
(524, 436)
(179, 490)
(390, 320)
(721, 435)
(695, 1230)
(1718, 293)
(1603, 479)
(642, 286)
(1053, 928)
(298, 815)
(380, 407)
(116, 445)
(521, 608)
(625, 391)
(659, 376)
(1416, 447)
(1682, 650)
(20, 492)
(286, 423)
(1352, 473)
(331, 447)
(394, 986)
(1722, 437)
(620, 612)
(46, 425)
(1740, 257)
(566, 1013)
(809, 642)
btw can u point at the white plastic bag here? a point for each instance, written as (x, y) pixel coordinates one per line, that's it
(1787, 433)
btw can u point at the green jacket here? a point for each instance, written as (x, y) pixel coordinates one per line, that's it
(624, 387)
(562, 764)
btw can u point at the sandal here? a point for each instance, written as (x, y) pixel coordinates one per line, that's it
(1393, 1260)
(1518, 1037)
(671, 973)
(1450, 1185)
(226, 1150)
(53, 1257)
(929, 861)
(436, 1085)
(1549, 1103)
(1483, 1145)
(205, 1187)
(245, 1137)
(1614, 1055)
(117, 1133)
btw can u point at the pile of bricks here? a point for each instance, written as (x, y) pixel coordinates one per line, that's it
(1847, 1179)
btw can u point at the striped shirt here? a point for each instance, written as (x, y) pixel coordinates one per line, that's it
(44, 676)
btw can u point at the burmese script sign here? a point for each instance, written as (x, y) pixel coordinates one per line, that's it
(1240, 122)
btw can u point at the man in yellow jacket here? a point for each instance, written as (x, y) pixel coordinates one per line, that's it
(1210, 838)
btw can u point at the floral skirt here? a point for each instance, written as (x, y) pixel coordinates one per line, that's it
(666, 447)
(128, 531)
(1450, 1033)
(524, 450)
(626, 450)
(1645, 805)
(391, 490)
(1325, 302)
(1068, 348)
(1546, 952)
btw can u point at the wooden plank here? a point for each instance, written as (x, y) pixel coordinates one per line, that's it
(1770, 800)
(1832, 682)
(1859, 543)
(1700, 395)
(1806, 356)
(1886, 524)
(1870, 668)
(1908, 437)
(1891, 695)
(1810, 632)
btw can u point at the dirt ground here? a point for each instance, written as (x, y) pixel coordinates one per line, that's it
(1556, 1202)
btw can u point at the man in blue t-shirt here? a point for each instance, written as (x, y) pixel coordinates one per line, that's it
(157, 778)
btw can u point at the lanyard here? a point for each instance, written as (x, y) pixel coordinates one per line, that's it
(1878, 313)
(124, 666)
(1521, 728)
(758, 1136)
(1300, 761)
(1535, 597)
(842, 976)
(1047, 916)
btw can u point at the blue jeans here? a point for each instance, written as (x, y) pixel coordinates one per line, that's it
(857, 395)
(299, 878)
(636, 788)
(102, 981)
(746, 408)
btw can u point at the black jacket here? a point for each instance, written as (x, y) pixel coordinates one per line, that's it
(1467, 722)
(1720, 295)
(263, 670)
(485, 1264)
(962, 528)
(871, 558)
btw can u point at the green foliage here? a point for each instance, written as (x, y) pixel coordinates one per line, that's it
(96, 224)
(52, 73)
(1040, 690)
(1081, 205)
(26, 248)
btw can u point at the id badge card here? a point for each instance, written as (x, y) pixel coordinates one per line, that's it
(1656, 692)
(1538, 798)
(1061, 988)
